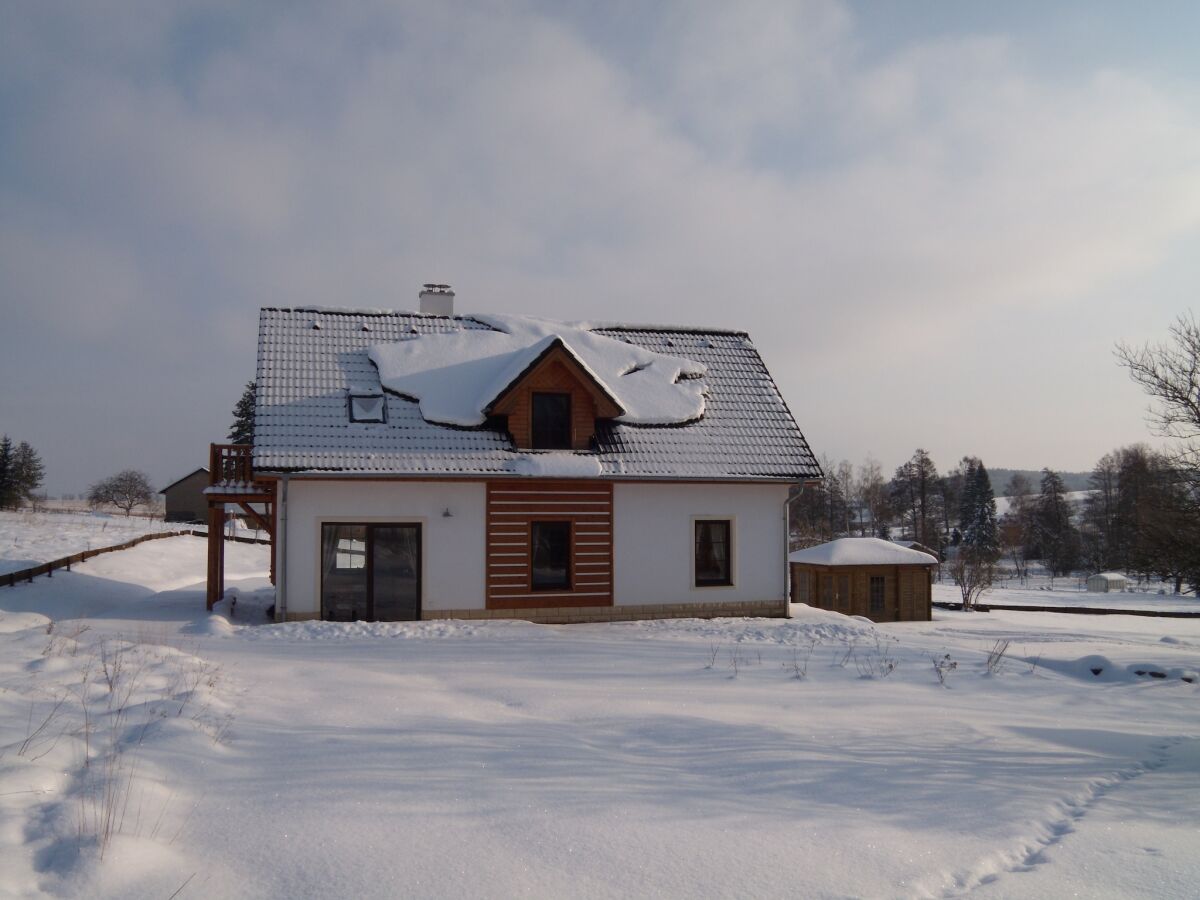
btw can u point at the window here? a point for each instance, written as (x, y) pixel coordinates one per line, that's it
(350, 553)
(876, 593)
(551, 555)
(712, 553)
(367, 408)
(802, 587)
(370, 571)
(551, 421)
(844, 593)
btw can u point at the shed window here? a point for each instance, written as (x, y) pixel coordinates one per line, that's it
(551, 555)
(367, 408)
(877, 593)
(712, 553)
(802, 586)
(551, 421)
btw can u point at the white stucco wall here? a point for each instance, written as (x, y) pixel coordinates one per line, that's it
(653, 539)
(453, 551)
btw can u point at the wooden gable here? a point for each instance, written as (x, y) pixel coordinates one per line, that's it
(555, 371)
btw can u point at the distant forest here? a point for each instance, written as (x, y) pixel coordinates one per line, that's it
(1072, 481)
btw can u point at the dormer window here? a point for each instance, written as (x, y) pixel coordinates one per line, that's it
(369, 407)
(551, 421)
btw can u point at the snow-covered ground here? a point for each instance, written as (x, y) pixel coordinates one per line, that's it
(948, 593)
(28, 538)
(671, 758)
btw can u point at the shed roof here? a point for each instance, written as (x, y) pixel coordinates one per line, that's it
(203, 469)
(861, 551)
(309, 358)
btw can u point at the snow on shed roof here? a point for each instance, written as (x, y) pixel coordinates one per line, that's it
(308, 358)
(861, 551)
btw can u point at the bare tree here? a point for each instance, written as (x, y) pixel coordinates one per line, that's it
(1170, 374)
(125, 490)
(973, 573)
(873, 494)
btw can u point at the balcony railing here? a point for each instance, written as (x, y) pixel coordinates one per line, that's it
(230, 464)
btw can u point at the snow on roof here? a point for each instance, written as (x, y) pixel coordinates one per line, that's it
(1110, 576)
(746, 432)
(455, 376)
(861, 551)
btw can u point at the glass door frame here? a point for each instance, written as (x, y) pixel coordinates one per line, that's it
(370, 523)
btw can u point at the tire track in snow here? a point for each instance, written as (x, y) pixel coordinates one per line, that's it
(1031, 854)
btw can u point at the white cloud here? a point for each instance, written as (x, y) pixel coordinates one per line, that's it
(751, 167)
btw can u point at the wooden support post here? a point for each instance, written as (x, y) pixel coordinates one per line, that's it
(216, 553)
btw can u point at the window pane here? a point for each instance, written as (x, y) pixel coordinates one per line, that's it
(551, 422)
(366, 408)
(551, 552)
(712, 552)
(344, 572)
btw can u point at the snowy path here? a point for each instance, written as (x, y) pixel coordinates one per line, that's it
(505, 759)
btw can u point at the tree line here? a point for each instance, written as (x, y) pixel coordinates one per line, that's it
(1141, 514)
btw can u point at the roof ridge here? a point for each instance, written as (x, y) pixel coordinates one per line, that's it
(586, 324)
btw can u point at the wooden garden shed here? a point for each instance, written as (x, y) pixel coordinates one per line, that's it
(867, 577)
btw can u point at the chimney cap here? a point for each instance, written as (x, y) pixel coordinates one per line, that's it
(437, 289)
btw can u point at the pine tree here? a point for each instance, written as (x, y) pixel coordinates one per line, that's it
(967, 502)
(242, 431)
(1057, 539)
(26, 473)
(981, 535)
(6, 472)
(913, 492)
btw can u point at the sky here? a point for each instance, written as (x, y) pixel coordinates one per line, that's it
(934, 219)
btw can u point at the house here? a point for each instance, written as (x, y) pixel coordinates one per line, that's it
(918, 546)
(868, 577)
(185, 500)
(1104, 582)
(423, 465)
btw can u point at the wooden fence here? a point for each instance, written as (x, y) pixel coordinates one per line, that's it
(10, 579)
(1079, 610)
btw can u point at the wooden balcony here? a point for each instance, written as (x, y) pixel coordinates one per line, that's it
(231, 471)
(231, 481)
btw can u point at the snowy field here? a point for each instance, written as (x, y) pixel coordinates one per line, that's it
(148, 748)
(948, 593)
(28, 538)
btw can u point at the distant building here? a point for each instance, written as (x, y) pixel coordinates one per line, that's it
(185, 498)
(1105, 582)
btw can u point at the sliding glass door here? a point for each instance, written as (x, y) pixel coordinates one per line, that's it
(370, 572)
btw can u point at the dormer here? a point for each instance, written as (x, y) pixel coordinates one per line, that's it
(553, 404)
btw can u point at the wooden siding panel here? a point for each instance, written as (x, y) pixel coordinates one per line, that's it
(513, 506)
(553, 376)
